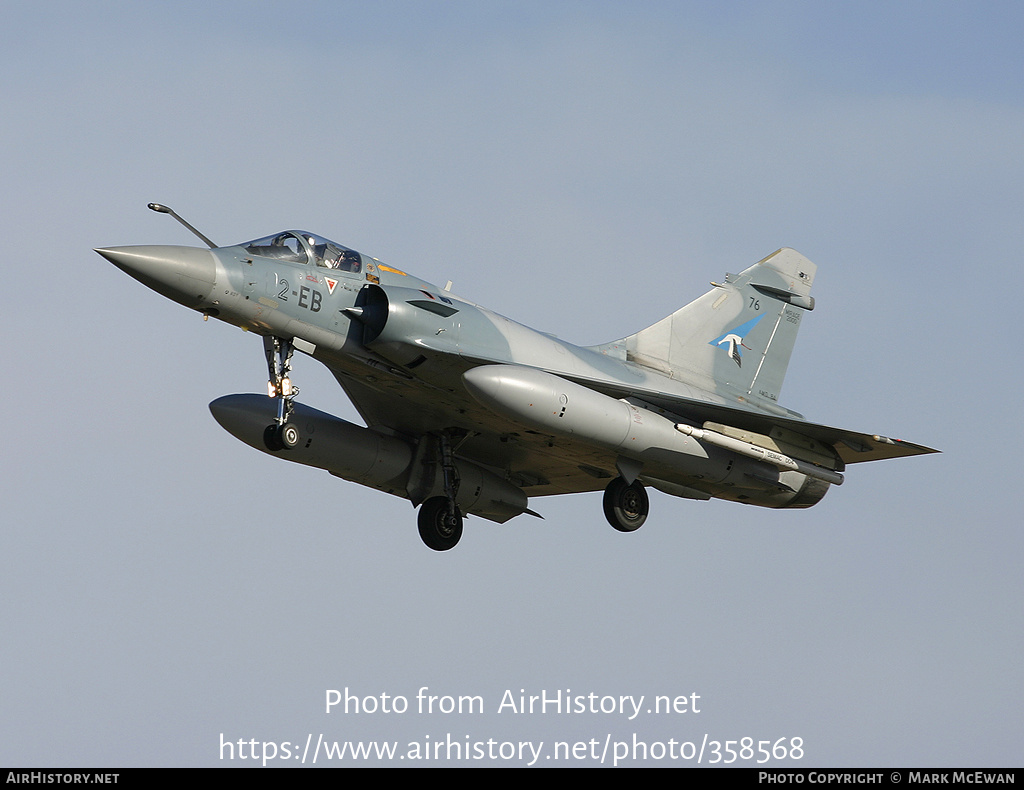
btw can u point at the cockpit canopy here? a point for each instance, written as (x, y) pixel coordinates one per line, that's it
(299, 246)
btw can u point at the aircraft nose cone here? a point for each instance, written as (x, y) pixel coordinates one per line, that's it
(185, 274)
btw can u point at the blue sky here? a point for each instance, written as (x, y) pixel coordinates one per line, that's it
(585, 168)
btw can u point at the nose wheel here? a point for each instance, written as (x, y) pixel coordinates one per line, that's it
(281, 437)
(281, 434)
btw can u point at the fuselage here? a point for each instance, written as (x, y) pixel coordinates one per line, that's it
(467, 411)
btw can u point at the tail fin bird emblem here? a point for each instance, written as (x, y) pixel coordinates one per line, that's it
(732, 340)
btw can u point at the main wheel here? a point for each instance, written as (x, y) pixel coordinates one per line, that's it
(440, 528)
(625, 505)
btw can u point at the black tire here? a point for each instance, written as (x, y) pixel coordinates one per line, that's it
(625, 505)
(289, 435)
(272, 439)
(440, 529)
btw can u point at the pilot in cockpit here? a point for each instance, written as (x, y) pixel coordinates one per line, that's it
(349, 261)
(333, 256)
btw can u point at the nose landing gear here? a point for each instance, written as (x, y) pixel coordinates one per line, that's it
(281, 434)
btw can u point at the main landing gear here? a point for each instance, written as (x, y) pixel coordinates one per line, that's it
(625, 505)
(439, 519)
(440, 523)
(281, 434)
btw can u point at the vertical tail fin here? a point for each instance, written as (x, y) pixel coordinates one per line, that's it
(738, 336)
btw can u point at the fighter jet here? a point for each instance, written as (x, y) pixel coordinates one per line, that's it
(470, 413)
